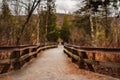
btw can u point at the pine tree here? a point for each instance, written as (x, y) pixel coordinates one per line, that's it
(65, 29)
(51, 20)
(94, 9)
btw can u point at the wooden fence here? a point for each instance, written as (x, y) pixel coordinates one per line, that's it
(17, 56)
(80, 56)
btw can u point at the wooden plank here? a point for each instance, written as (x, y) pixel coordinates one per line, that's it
(28, 59)
(5, 61)
(35, 55)
(20, 56)
(79, 50)
(12, 48)
(5, 68)
(105, 64)
(25, 51)
(72, 55)
(84, 56)
(27, 55)
(15, 54)
(8, 61)
(80, 62)
(24, 57)
(103, 49)
(16, 65)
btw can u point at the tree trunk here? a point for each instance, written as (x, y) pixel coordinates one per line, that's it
(92, 29)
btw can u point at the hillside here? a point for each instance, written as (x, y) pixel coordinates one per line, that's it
(60, 17)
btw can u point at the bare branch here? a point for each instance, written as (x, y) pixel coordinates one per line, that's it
(35, 4)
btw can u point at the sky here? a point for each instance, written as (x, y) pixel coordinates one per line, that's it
(65, 6)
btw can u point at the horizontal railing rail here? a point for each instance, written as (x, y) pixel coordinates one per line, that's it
(95, 48)
(18, 47)
(18, 56)
(85, 57)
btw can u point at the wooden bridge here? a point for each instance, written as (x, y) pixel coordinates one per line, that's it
(39, 62)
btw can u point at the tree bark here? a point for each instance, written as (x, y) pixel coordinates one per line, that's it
(35, 4)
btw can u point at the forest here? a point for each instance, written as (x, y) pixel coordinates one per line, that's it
(96, 24)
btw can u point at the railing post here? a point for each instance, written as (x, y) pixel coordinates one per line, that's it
(81, 63)
(27, 51)
(16, 55)
(73, 59)
(84, 56)
(93, 57)
(19, 55)
(66, 52)
(5, 68)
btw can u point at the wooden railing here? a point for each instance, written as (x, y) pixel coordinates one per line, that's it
(80, 56)
(15, 57)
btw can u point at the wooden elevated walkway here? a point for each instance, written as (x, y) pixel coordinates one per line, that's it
(52, 64)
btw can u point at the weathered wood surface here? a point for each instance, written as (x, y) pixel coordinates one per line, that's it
(79, 55)
(53, 64)
(93, 49)
(107, 64)
(18, 56)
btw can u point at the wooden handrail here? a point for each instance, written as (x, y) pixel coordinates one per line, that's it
(24, 46)
(79, 55)
(18, 47)
(21, 55)
(95, 48)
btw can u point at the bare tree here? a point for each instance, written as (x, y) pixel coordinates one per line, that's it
(32, 8)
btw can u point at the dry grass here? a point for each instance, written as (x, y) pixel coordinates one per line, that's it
(106, 57)
(4, 55)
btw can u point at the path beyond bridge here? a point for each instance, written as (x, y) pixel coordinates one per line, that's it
(52, 64)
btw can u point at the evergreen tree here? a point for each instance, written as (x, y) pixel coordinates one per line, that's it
(65, 29)
(94, 9)
(48, 19)
(51, 21)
